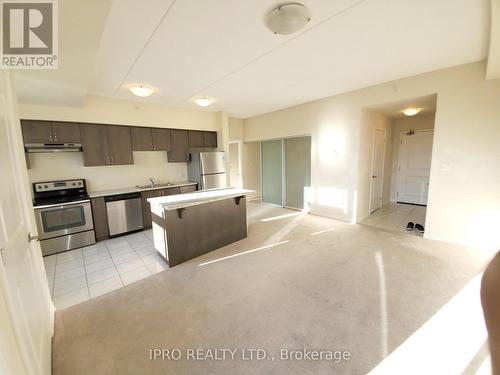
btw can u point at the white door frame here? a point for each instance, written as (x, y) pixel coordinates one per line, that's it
(401, 135)
(370, 208)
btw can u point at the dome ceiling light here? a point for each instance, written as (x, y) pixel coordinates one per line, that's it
(203, 101)
(288, 18)
(141, 90)
(411, 111)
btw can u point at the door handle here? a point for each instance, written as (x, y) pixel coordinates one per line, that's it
(373, 176)
(33, 237)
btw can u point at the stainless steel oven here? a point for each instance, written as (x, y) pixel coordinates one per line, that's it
(64, 220)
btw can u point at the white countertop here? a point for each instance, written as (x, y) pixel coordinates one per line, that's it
(172, 202)
(135, 189)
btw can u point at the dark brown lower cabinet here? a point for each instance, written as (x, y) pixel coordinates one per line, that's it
(100, 218)
(146, 207)
(187, 189)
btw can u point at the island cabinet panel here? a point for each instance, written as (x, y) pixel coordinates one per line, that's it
(196, 230)
(142, 139)
(179, 150)
(161, 139)
(100, 218)
(66, 132)
(202, 139)
(95, 145)
(120, 145)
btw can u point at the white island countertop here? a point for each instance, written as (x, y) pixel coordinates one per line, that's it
(173, 202)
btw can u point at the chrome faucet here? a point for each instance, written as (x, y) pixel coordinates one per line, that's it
(153, 181)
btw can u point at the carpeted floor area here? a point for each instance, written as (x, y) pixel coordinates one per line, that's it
(297, 282)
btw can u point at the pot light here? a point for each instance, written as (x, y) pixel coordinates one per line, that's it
(203, 101)
(411, 111)
(140, 90)
(288, 18)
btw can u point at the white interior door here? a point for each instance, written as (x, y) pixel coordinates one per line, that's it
(377, 177)
(24, 290)
(235, 165)
(414, 166)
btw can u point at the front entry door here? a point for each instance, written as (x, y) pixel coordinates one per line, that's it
(415, 153)
(26, 330)
(377, 178)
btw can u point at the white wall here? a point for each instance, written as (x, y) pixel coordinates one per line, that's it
(236, 129)
(404, 125)
(46, 167)
(464, 198)
(371, 120)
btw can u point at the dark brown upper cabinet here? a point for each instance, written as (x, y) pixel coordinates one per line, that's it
(179, 150)
(106, 145)
(161, 139)
(35, 131)
(202, 139)
(150, 139)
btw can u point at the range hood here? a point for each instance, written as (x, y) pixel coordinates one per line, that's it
(52, 147)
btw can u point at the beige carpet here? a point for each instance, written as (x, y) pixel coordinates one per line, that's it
(321, 287)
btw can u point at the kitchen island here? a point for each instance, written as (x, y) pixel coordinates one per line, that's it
(186, 226)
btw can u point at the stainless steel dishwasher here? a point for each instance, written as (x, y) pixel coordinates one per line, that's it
(124, 213)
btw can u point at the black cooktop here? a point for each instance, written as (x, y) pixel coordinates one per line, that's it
(59, 200)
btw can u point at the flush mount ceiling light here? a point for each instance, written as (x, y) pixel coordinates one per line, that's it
(141, 90)
(203, 101)
(288, 18)
(411, 111)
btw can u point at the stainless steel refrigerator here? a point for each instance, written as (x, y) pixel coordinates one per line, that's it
(208, 169)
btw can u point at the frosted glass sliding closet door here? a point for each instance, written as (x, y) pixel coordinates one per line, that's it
(297, 171)
(272, 172)
(286, 172)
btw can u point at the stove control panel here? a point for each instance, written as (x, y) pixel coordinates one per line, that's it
(58, 185)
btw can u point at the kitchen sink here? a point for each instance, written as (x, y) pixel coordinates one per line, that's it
(155, 185)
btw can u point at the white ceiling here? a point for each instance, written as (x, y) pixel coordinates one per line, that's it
(222, 49)
(394, 110)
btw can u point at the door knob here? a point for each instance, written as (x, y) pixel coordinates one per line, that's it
(32, 237)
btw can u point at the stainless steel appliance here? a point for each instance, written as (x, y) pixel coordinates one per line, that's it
(124, 213)
(63, 215)
(208, 169)
(53, 147)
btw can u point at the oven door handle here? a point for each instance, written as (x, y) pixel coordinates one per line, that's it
(61, 204)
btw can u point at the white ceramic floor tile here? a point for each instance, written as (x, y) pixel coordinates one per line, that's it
(49, 261)
(157, 266)
(70, 265)
(96, 246)
(69, 256)
(94, 251)
(135, 275)
(124, 258)
(129, 266)
(142, 244)
(104, 274)
(148, 259)
(70, 274)
(116, 242)
(121, 250)
(100, 265)
(67, 286)
(105, 286)
(146, 251)
(71, 299)
(97, 257)
(136, 238)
